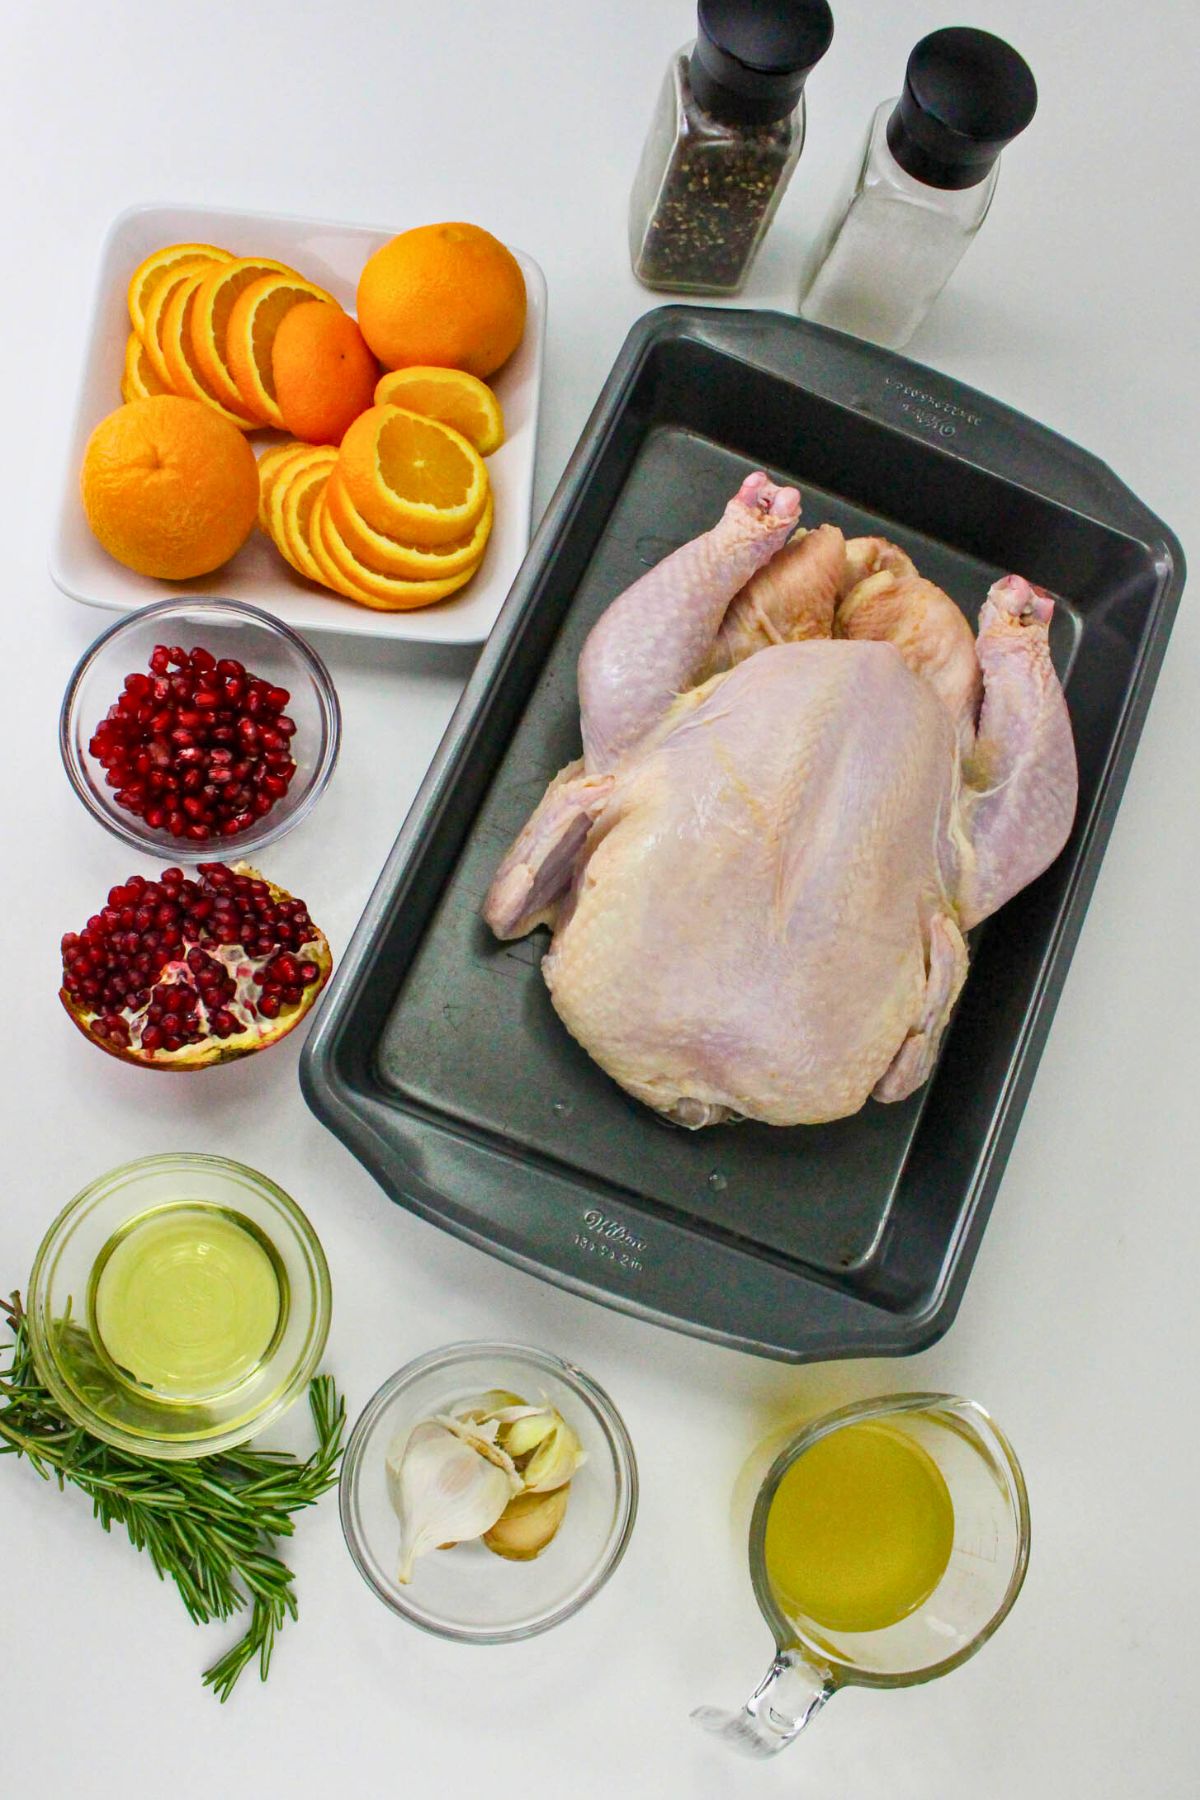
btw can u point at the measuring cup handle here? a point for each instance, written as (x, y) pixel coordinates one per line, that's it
(784, 1702)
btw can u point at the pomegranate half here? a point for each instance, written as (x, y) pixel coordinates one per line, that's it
(184, 972)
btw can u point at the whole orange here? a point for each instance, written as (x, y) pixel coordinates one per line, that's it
(451, 295)
(324, 374)
(170, 488)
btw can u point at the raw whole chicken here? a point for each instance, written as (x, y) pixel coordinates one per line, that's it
(803, 780)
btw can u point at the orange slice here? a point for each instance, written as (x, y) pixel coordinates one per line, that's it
(386, 593)
(250, 338)
(150, 272)
(303, 486)
(391, 556)
(271, 466)
(180, 356)
(412, 478)
(300, 481)
(451, 395)
(210, 320)
(138, 380)
(156, 314)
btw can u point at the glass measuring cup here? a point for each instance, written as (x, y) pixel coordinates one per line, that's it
(987, 1562)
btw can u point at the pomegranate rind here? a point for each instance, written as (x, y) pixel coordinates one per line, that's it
(211, 1051)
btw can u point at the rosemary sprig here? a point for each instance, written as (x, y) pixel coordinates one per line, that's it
(208, 1525)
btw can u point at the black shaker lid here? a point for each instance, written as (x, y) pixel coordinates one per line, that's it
(966, 95)
(752, 56)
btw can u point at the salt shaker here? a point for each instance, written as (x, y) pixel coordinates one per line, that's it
(726, 134)
(924, 186)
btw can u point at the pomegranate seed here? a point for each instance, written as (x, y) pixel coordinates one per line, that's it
(173, 728)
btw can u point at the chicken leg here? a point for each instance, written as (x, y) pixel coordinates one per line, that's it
(1022, 778)
(653, 641)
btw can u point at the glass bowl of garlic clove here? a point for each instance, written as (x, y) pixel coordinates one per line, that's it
(488, 1491)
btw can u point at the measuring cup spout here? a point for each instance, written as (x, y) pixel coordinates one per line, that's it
(785, 1701)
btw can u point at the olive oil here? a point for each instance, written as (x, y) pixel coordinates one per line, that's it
(187, 1300)
(859, 1531)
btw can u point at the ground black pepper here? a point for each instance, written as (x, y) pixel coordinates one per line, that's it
(718, 191)
(726, 134)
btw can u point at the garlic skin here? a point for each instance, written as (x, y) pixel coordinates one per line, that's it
(445, 1486)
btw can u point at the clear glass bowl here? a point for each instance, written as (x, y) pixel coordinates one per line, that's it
(268, 648)
(468, 1593)
(71, 1357)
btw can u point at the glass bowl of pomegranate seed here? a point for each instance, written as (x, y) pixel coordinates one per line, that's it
(198, 727)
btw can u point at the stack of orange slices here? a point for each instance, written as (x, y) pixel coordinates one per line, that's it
(399, 515)
(204, 323)
(396, 514)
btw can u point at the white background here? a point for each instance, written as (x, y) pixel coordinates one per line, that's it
(1078, 305)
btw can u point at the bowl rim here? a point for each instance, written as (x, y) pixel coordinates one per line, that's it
(619, 1443)
(270, 828)
(180, 1449)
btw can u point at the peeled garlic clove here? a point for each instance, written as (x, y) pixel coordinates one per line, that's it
(522, 1434)
(443, 1490)
(555, 1459)
(527, 1524)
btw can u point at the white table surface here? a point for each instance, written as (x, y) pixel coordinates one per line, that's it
(1078, 305)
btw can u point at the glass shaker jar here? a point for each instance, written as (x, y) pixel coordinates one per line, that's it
(924, 186)
(726, 134)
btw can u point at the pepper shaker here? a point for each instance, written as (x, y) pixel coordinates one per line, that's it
(726, 134)
(926, 180)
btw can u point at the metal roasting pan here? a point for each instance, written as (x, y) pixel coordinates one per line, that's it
(437, 1057)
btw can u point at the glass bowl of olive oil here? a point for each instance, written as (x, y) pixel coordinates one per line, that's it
(178, 1305)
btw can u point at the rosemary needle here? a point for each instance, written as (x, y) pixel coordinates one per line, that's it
(208, 1525)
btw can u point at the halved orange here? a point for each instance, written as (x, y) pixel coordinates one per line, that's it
(180, 356)
(271, 465)
(292, 505)
(391, 556)
(156, 313)
(210, 319)
(386, 593)
(451, 395)
(250, 338)
(151, 270)
(138, 380)
(412, 478)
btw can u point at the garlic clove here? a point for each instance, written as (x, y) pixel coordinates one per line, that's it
(443, 1490)
(554, 1461)
(527, 1525)
(542, 1445)
(489, 1405)
(522, 1435)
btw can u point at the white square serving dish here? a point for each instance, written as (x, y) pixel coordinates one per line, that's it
(331, 255)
